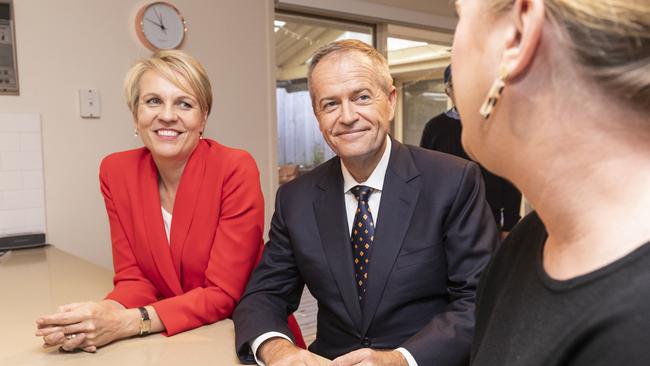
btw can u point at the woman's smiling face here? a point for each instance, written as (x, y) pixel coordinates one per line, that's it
(168, 120)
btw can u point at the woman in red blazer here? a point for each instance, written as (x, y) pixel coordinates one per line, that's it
(186, 217)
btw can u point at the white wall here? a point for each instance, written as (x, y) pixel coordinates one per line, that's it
(70, 44)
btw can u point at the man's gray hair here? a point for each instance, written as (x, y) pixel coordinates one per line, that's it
(349, 45)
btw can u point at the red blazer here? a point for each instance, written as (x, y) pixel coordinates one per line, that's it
(215, 241)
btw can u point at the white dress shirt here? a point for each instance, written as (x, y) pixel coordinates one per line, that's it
(167, 220)
(376, 182)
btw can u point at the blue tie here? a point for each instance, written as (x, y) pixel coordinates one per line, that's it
(363, 235)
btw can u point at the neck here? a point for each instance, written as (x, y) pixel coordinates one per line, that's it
(583, 197)
(362, 167)
(170, 173)
(587, 175)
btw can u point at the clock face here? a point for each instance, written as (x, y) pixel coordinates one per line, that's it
(161, 26)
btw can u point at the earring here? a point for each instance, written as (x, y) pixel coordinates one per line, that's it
(200, 135)
(494, 94)
(135, 132)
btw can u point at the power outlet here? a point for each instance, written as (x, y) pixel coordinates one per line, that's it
(89, 105)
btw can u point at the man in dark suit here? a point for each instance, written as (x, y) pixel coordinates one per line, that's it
(443, 133)
(390, 239)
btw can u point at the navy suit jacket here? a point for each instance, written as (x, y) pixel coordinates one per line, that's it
(434, 235)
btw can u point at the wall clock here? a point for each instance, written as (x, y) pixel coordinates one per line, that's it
(160, 26)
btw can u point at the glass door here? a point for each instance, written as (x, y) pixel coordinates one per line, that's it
(417, 60)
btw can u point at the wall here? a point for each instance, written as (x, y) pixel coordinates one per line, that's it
(70, 44)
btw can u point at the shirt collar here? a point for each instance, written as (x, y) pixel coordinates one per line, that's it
(453, 113)
(376, 178)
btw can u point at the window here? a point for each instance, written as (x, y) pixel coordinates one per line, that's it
(300, 142)
(422, 100)
(417, 60)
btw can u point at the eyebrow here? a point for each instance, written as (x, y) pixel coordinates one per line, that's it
(361, 90)
(354, 92)
(182, 96)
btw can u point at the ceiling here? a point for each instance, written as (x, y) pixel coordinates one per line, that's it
(425, 14)
(298, 37)
(434, 7)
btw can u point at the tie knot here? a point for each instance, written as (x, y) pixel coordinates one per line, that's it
(362, 192)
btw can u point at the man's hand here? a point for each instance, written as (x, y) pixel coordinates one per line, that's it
(281, 352)
(370, 357)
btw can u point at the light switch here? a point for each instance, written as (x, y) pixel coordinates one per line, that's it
(89, 103)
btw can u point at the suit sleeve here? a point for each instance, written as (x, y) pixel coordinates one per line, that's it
(235, 251)
(471, 237)
(131, 286)
(273, 292)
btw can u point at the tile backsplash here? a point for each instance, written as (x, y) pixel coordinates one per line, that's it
(22, 198)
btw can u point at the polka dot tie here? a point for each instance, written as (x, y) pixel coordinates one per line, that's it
(363, 235)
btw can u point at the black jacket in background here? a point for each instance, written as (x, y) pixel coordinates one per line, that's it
(442, 133)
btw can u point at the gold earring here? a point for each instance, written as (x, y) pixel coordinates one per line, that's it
(135, 132)
(494, 94)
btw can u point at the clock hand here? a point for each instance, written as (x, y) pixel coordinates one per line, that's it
(159, 25)
(160, 19)
(158, 15)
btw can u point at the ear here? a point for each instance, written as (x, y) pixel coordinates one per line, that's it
(135, 121)
(205, 122)
(522, 40)
(392, 100)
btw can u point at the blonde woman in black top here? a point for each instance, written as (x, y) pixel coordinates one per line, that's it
(554, 95)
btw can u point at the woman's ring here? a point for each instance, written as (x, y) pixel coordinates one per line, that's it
(70, 336)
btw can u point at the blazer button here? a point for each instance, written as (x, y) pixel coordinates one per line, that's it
(366, 342)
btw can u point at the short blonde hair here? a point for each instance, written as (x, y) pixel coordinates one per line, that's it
(350, 45)
(610, 39)
(178, 67)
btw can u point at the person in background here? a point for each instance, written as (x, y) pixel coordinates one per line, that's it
(287, 173)
(186, 216)
(442, 133)
(554, 95)
(390, 239)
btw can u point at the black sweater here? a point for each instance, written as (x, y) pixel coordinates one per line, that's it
(526, 318)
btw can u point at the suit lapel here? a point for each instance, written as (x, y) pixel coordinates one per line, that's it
(187, 195)
(331, 218)
(153, 224)
(398, 201)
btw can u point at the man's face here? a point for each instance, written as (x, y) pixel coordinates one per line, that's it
(352, 108)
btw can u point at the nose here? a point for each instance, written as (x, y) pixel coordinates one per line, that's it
(168, 114)
(348, 114)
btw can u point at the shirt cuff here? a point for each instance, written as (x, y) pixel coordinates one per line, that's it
(266, 336)
(407, 355)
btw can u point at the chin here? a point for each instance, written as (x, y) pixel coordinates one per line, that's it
(167, 152)
(465, 145)
(470, 154)
(352, 153)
